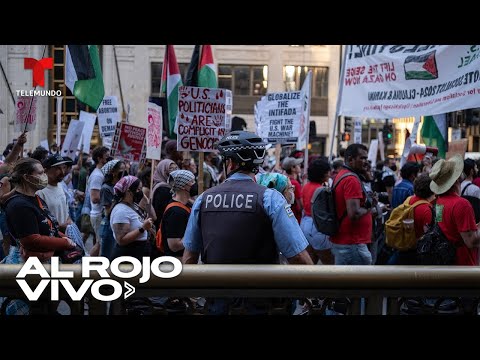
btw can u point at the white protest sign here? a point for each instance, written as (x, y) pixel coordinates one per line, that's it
(26, 105)
(89, 120)
(373, 151)
(108, 116)
(280, 117)
(72, 139)
(357, 131)
(201, 118)
(154, 131)
(389, 81)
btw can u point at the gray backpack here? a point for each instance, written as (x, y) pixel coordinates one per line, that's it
(324, 211)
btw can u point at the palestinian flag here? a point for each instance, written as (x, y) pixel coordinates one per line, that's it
(434, 133)
(171, 81)
(207, 74)
(421, 67)
(83, 75)
(192, 73)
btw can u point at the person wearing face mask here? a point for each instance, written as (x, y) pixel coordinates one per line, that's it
(130, 227)
(113, 171)
(31, 225)
(211, 176)
(161, 189)
(242, 222)
(177, 212)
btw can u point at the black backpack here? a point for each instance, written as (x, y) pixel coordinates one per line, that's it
(433, 248)
(324, 210)
(475, 201)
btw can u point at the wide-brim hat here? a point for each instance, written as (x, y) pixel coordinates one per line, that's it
(444, 174)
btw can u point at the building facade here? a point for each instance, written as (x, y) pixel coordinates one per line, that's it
(250, 71)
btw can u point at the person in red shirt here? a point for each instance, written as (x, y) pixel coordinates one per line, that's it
(292, 167)
(422, 216)
(353, 211)
(454, 214)
(320, 245)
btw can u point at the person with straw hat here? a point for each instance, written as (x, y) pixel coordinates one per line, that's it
(454, 214)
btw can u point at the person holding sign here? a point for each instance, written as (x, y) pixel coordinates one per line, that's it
(242, 222)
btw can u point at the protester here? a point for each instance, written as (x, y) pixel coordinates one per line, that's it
(175, 219)
(292, 166)
(30, 223)
(54, 194)
(454, 214)
(100, 157)
(318, 176)
(404, 189)
(161, 195)
(353, 211)
(130, 228)
(113, 171)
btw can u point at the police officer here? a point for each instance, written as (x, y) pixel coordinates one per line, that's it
(239, 221)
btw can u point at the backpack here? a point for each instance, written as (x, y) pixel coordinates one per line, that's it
(159, 243)
(474, 201)
(433, 248)
(324, 210)
(396, 236)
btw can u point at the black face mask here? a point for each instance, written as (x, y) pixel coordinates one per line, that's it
(194, 190)
(123, 174)
(393, 167)
(137, 196)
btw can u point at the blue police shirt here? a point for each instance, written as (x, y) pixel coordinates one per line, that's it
(286, 231)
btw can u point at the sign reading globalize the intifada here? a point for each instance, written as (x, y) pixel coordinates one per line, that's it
(387, 81)
(278, 116)
(203, 117)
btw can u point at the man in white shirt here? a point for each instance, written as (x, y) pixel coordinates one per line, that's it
(94, 185)
(468, 188)
(54, 195)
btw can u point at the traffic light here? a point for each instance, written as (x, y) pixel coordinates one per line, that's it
(387, 134)
(347, 128)
(347, 124)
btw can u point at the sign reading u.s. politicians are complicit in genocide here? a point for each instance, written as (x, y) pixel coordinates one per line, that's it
(204, 116)
(386, 81)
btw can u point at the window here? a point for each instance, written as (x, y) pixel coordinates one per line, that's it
(156, 76)
(70, 106)
(294, 77)
(247, 82)
(244, 80)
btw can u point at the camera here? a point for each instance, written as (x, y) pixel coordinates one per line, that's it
(383, 197)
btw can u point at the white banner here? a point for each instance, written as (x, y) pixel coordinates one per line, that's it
(387, 81)
(108, 116)
(154, 131)
(201, 118)
(89, 120)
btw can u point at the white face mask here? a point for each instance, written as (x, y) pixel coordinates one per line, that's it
(290, 197)
(41, 183)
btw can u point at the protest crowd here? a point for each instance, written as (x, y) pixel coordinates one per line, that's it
(95, 205)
